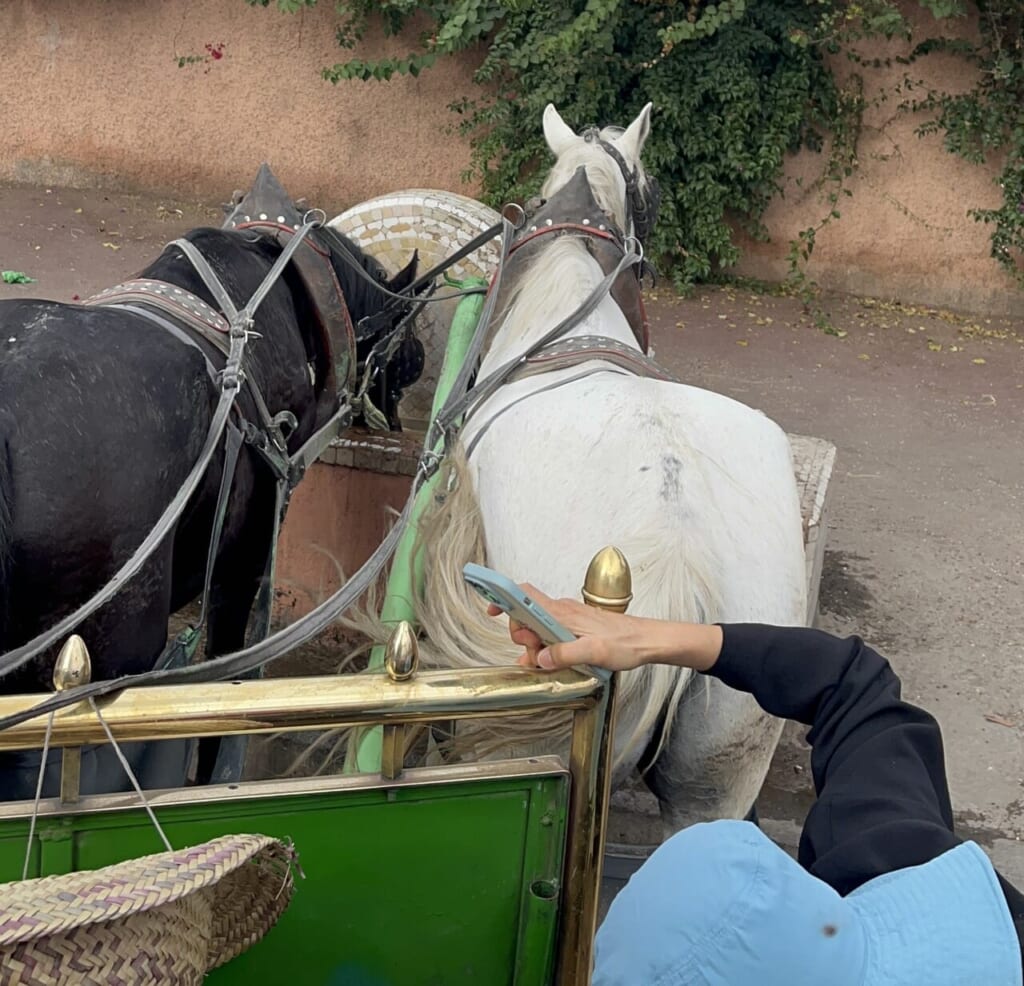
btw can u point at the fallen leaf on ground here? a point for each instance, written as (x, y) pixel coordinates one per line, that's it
(999, 720)
(16, 277)
(742, 342)
(112, 246)
(979, 360)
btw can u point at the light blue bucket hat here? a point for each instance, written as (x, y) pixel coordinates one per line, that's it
(719, 904)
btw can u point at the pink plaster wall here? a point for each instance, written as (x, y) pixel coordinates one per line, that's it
(905, 233)
(93, 96)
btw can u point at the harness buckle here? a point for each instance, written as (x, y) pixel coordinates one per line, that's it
(231, 378)
(241, 328)
(632, 244)
(430, 463)
(514, 209)
(314, 222)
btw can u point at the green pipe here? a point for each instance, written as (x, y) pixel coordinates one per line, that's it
(406, 572)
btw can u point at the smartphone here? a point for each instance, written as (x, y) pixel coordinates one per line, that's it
(510, 599)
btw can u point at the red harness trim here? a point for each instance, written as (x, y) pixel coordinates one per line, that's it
(588, 230)
(285, 228)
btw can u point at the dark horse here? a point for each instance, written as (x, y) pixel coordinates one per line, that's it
(103, 413)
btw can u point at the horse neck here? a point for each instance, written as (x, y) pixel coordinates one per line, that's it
(277, 354)
(555, 285)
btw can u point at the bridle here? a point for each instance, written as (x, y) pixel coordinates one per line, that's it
(643, 203)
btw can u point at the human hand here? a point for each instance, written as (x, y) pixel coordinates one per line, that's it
(614, 641)
(606, 640)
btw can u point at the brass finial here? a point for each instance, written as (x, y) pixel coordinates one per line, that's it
(402, 654)
(73, 666)
(609, 582)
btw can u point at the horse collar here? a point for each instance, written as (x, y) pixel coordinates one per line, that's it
(312, 261)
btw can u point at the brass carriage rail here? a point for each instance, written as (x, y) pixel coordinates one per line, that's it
(287, 704)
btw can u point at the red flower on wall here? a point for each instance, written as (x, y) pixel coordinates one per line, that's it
(214, 53)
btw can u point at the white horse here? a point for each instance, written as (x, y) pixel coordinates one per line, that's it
(696, 489)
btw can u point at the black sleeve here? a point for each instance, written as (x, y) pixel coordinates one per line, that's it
(877, 761)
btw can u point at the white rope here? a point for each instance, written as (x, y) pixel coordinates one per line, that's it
(39, 795)
(131, 775)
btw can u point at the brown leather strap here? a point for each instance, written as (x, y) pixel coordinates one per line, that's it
(571, 352)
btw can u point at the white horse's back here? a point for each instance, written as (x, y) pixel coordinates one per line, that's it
(696, 489)
(703, 480)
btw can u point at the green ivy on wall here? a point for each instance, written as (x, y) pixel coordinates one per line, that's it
(986, 123)
(737, 85)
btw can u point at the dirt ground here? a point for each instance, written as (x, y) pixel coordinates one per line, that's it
(927, 525)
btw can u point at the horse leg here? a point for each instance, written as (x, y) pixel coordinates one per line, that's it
(716, 757)
(126, 636)
(237, 576)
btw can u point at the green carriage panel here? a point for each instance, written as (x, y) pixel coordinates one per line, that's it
(434, 882)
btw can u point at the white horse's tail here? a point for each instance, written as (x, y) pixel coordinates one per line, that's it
(674, 584)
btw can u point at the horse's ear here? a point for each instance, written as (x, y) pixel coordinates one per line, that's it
(406, 275)
(557, 132)
(636, 134)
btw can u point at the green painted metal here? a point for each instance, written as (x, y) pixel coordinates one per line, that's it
(419, 885)
(406, 570)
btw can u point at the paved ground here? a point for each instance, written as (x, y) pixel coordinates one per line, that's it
(927, 527)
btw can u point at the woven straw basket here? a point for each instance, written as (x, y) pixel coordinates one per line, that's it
(165, 919)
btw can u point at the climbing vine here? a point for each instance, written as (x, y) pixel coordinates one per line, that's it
(737, 85)
(987, 122)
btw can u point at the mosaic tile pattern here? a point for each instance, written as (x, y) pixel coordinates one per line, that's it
(389, 228)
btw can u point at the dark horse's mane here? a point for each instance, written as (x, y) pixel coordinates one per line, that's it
(360, 294)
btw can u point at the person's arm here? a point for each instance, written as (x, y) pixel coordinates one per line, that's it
(877, 761)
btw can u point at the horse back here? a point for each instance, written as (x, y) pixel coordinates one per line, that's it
(101, 417)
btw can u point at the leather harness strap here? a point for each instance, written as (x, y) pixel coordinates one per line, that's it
(337, 334)
(169, 298)
(191, 312)
(582, 349)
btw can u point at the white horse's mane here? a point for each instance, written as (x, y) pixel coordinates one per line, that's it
(564, 273)
(606, 180)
